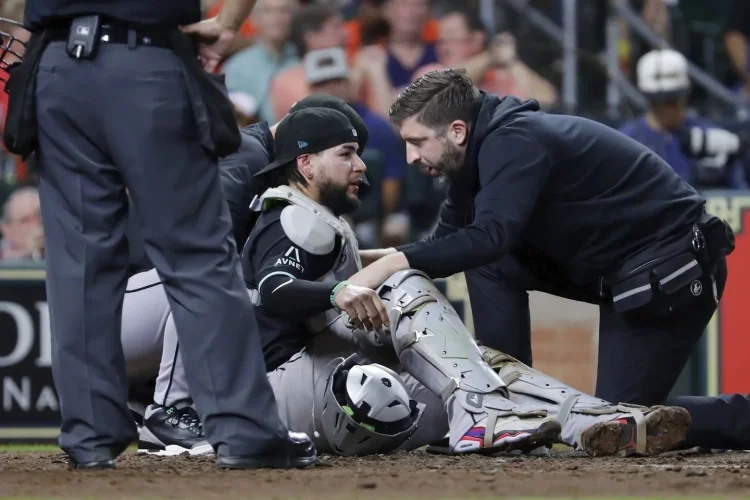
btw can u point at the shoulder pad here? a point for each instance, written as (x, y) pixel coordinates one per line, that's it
(307, 230)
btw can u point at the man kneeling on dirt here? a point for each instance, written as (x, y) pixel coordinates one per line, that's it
(431, 383)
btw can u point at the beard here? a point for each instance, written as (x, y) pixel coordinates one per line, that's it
(450, 162)
(336, 198)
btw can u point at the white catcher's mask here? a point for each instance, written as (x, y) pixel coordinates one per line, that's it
(367, 409)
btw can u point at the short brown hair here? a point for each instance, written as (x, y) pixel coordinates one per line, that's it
(437, 99)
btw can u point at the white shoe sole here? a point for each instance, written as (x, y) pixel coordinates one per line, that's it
(174, 450)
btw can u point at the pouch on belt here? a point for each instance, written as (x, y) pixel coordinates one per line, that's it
(213, 111)
(661, 288)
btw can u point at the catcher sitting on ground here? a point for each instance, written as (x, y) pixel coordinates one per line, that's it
(431, 378)
(322, 337)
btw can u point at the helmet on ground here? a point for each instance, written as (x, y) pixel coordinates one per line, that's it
(367, 409)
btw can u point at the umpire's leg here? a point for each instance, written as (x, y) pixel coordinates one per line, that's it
(187, 229)
(83, 209)
(641, 358)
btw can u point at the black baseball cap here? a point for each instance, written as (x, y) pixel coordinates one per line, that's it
(329, 101)
(309, 130)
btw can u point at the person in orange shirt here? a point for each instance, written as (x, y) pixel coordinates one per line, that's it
(462, 43)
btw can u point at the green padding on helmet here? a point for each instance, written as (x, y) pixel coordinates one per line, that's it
(350, 412)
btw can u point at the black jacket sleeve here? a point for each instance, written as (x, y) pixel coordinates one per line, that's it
(452, 218)
(239, 185)
(513, 169)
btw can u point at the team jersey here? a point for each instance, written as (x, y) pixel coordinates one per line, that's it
(269, 256)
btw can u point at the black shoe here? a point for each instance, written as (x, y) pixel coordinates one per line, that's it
(172, 431)
(296, 452)
(95, 465)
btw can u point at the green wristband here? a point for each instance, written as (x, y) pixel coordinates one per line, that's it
(336, 290)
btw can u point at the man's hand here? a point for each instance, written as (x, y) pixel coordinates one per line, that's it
(369, 256)
(215, 41)
(364, 307)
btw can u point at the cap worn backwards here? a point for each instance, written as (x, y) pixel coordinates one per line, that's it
(309, 130)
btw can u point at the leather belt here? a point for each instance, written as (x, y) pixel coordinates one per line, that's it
(114, 33)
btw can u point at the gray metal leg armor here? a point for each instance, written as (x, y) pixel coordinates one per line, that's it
(580, 414)
(435, 347)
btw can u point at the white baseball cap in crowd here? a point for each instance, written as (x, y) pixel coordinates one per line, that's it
(325, 64)
(244, 103)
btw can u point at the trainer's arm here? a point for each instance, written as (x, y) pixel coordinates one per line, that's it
(513, 170)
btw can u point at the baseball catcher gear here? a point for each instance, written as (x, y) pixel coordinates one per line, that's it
(435, 347)
(592, 424)
(367, 409)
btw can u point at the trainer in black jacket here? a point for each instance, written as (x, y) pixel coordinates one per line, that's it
(568, 206)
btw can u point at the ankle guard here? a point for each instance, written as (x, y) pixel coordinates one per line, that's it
(525, 383)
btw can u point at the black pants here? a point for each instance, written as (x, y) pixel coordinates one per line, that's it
(640, 358)
(123, 120)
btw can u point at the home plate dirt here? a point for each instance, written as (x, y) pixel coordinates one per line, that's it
(404, 475)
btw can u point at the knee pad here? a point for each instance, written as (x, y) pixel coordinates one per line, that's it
(367, 409)
(430, 339)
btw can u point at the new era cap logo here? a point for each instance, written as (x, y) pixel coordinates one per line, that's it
(301, 144)
(354, 131)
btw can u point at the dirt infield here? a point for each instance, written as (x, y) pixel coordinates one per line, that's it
(406, 475)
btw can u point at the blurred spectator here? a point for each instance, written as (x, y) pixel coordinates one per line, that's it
(251, 70)
(13, 170)
(736, 37)
(245, 108)
(462, 43)
(327, 72)
(674, 133)
(370, 27)
(21, 226)
(384, 70)
(314, 27)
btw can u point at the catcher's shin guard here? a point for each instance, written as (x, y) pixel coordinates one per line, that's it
(435, 347)
(589, 423)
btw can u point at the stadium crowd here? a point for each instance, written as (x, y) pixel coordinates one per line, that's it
(367, 51)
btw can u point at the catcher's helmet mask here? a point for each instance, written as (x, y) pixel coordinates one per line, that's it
(12, 48)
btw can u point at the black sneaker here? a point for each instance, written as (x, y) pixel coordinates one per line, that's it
(297, 451)
(169, 431)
